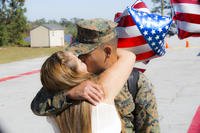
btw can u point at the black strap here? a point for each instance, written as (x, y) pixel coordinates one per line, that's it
(132, 83)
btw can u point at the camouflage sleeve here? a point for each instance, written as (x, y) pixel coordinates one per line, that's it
(146, 115)
(45, 104)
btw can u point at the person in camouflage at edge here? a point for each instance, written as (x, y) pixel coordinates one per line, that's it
(139, 113)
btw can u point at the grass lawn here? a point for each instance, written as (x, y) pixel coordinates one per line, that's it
(10, 54)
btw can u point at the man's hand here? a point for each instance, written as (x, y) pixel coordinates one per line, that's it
(88, 91)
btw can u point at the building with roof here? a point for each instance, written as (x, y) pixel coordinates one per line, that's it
(47, 35)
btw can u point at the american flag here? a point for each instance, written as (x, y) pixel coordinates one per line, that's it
(130, 37)
(187, 16)
(153, 27)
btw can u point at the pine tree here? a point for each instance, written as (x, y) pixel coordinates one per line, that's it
(17, 23)
(13, 23)
(161, 7)
(3, 34)
(3, 27)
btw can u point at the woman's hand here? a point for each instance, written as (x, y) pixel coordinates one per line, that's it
(88, 91)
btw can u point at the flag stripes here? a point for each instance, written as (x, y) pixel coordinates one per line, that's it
(187, 16)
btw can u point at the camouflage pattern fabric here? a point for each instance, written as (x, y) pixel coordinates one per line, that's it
(91, 34)
(98, 24)
(140, 116)
(125, 106)
(146, 116)
(45, 104)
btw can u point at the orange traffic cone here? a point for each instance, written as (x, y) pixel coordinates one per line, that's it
(166, 46)
(187, 44)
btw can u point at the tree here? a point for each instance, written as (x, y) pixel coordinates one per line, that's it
(40, 21)
(63, 21)
(3, 34)
(75, 20)
(17, 22)
(52, 21)
(3, 28)
(13, 23)
(161, 7)
(70, 26)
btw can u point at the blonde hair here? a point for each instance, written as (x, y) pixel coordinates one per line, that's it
(57, 75)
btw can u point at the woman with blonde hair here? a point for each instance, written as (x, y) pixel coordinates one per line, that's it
(63, 70)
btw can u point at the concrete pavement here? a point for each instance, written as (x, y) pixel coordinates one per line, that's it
(176, 77)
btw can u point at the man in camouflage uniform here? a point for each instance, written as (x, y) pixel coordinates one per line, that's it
(139, 113)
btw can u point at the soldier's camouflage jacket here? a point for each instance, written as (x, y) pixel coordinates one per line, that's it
(139, 115)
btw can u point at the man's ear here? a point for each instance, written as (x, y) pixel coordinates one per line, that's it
(108, 51)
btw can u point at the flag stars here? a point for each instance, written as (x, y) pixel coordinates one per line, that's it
(132, 12)
(156, 17)
(149, 18)
(168, 19)
(141, 26)
(139, 14)
(163, 35)
(150, 38)
(145, 33)
(144, 14)
(148, 25)
(153, 28)
(159, 29)
(157, 37)
(153, 32)
(137, 19)
(144, 21)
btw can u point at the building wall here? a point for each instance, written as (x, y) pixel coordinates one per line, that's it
(39, 37)
(56, 38)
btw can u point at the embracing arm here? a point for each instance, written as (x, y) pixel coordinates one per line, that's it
(45, 104)
(114, 78)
